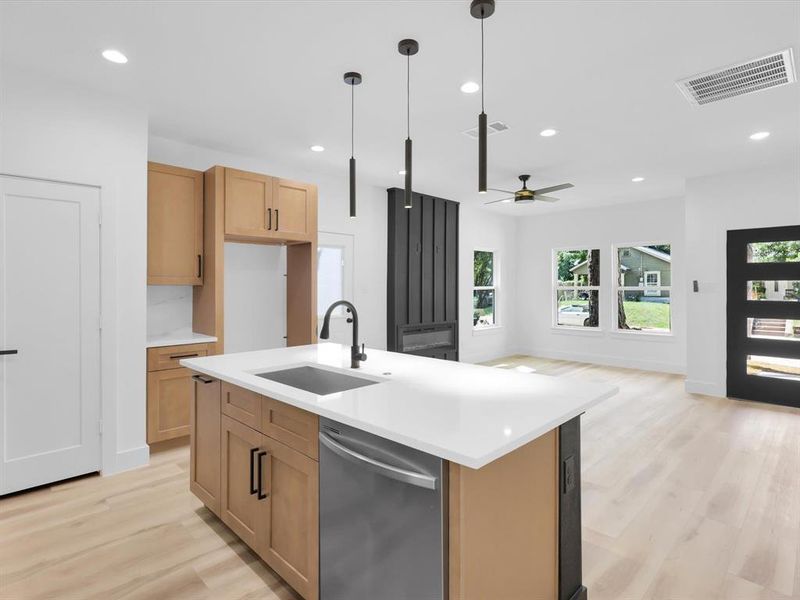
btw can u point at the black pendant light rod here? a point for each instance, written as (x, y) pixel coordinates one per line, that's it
(408, 48)
(352, 79)
(482, 9)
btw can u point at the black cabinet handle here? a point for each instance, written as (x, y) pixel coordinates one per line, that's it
(6, 352)
(261, 494)
(269, 213)
(201, 379)
(174, 356)
(253, 489)
(277, 221)
(199, 266)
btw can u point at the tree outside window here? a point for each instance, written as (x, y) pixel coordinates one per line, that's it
(484, 289)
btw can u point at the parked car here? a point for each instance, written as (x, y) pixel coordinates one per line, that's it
(575, 314)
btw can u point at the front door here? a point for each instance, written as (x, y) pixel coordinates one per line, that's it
(764, 315)
(49, 332)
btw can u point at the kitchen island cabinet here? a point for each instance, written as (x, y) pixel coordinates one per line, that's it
(509, 482)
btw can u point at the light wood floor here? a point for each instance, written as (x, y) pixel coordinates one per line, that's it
(684, 498)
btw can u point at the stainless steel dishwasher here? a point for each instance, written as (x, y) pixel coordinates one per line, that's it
(382, 518)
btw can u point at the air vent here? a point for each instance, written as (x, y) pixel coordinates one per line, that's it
(491, 129)
(742, 78)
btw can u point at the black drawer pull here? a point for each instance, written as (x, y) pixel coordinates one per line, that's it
(7, 352)
(277, 221)
(202, 379)
(253, 489)
(174, 356)
(261, 494)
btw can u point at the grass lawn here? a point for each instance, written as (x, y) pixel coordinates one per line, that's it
(640, 315)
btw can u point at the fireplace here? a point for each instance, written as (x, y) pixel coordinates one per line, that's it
(428, 339)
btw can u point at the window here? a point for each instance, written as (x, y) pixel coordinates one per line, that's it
(642, 288)
(778, 291)
(577, 288)
(773, 252)
(484, 289)
(334, 271)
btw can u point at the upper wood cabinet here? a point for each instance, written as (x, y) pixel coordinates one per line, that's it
(259, 208)
(248, 204)
(295, 206)
(174, 225)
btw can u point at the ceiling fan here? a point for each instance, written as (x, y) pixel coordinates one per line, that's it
(526, 196)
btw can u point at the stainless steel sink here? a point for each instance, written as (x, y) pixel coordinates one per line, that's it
(317, 381)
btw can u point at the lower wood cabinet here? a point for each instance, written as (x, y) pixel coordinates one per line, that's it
(266, 490)
(204, 424)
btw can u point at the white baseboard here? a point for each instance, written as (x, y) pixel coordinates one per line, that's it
(128, 459)
(707, 388)
(608, 360)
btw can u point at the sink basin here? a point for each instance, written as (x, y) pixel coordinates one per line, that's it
(317, 381)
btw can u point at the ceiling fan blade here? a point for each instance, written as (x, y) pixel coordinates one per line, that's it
(501, 200)
(553, 188)
(539, 198)
(504, 191)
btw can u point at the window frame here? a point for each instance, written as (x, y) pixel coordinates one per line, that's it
(496, 287)
(556, 288)
(616, 288)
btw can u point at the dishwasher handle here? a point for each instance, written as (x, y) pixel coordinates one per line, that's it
(411, 477)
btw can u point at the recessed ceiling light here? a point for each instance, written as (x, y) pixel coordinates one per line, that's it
(316, 148)
(115, 56)
(401, 172)
(637, 179)
(506, 201)
(470, 87)
(760, 135)
(547, 132)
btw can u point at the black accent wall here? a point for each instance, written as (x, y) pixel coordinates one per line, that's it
(422, 282)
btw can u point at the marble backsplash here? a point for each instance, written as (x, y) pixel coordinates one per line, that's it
(169, 309)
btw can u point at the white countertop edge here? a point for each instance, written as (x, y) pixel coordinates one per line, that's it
(473, 462)
(181, 339)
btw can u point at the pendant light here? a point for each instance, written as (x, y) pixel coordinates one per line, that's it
(352, 79)
(482, 9)
(408, 48)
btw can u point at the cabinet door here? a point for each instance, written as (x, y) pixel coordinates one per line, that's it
(242, 510)
(204, 427)
(290, 534)
(174, 226)
(168, 398)
(248, 204)
(295, 211)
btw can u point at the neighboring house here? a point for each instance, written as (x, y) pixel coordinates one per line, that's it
(774, 290)
(639, 267)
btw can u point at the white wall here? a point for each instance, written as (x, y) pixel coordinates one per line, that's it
(255, 297)
(483, 230)
(660, 221)
(54, 130)
(764, 197)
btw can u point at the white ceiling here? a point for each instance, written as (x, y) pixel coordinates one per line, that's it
(265, 79)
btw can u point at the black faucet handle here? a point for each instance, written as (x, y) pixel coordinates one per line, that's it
(363, 354)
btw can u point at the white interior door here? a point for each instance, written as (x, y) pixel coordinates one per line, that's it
(49, 314)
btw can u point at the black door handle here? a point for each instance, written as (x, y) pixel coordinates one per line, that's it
(253, 489)
(261, 494)
(269, 212)
(199, 266)
(277, 221)
(4, 352)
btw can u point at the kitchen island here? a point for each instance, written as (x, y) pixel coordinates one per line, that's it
(499, 449)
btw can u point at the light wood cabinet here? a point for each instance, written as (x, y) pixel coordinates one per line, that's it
(168, 398)
(268, 209)
(248, 204)
(295, 207)
(169, 391)
(204, 420)
(174, 225)
(241, 508)
(289, 540)
(267, 474)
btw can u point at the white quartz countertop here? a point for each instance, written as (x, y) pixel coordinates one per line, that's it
(178, 338)
(468, 414)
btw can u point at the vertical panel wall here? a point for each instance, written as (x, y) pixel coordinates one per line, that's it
(422, 282)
